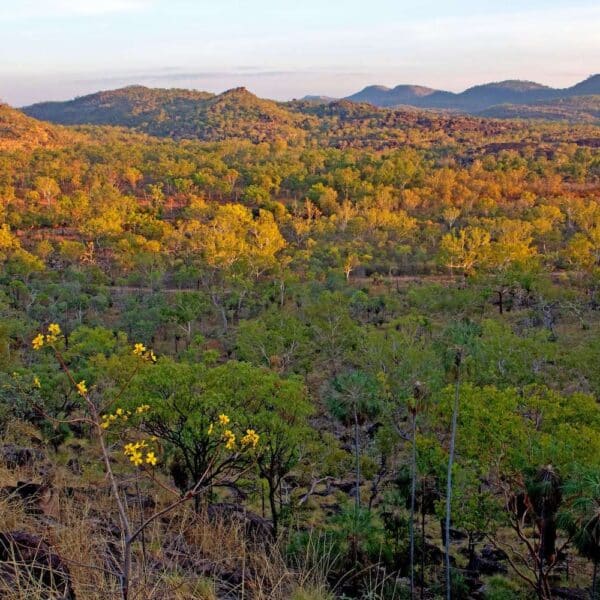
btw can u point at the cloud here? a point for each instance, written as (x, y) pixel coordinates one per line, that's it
(96, 7)
(45, 9)
(174, 75)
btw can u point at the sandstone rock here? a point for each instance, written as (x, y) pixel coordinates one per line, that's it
(17, 456)
(37, 498)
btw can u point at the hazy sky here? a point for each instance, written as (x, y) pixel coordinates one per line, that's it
(57, 49)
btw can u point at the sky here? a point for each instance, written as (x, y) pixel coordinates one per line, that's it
(283, 49)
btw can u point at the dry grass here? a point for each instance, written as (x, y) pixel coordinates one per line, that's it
(181, 556)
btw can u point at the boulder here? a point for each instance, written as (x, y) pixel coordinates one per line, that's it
(490, 553)
(570, 593)
(348, 486)
(37, 498)
(17, 456)
(256, 527)
(433, 554)
(487, 566)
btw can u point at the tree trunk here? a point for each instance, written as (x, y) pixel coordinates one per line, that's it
(422, 539)
(471, 547)
(357, 460)
(457, 362)
(595, 580)
(273, 505)
(541, 553)
(413, 494)
(224, 319)
(126, 570)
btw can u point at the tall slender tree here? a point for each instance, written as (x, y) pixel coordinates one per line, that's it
(457, 367)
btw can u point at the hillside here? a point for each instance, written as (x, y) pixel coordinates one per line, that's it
(318, 99)
(346, 124)
(474, 99)
(481, 96)
(131, 106)
(581, 109)
(176, 113)
(401, 94)
(239, 115)
(18, 131)
(589, 86)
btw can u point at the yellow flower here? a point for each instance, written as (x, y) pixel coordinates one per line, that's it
(139, 349)
(142, 409)
(120, 412)
(54, 329)
(136, 459)
(151, 459)
(223, 419)
(105, 424)
(229, 437)
(36, 382)
(152, 356)
(38, 341)
(251, 438)
(81, 388)
(210, 428)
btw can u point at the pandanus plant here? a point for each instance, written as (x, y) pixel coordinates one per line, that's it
(583, 521)
(545, 494)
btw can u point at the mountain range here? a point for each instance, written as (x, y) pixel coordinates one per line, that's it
(474, 99)
(383, 115)
(181, 113)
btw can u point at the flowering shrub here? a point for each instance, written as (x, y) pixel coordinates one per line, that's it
(248, 440)
(130, 425)
(140, 452)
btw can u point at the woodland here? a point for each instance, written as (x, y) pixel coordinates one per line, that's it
(258, 350)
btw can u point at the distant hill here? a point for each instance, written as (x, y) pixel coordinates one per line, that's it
(582, 109)
(475, 99)
(20, 131)
(318, 99)
(587, 87)
(131, 106)
(176, 113)
(401, 94)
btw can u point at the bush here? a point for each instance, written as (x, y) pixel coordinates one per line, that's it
(502, 588)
